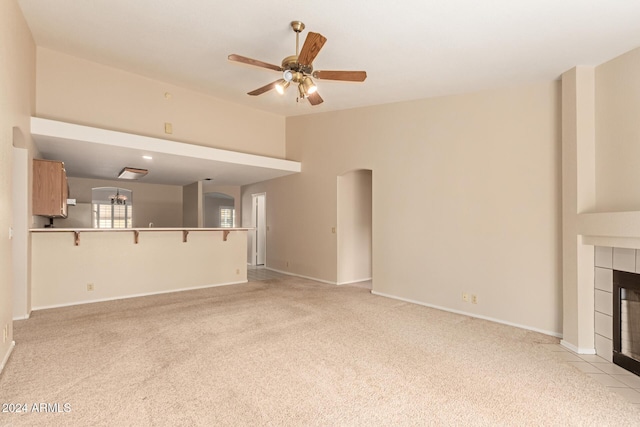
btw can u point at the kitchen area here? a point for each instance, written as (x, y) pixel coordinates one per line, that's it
(121, 215)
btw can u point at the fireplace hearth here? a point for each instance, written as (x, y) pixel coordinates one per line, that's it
(626, 320)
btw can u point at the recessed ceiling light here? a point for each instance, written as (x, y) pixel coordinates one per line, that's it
(147, 157)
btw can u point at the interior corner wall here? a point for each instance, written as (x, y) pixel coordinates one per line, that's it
(78, 91)
(617, 91)
(17, 78)
(466, 198)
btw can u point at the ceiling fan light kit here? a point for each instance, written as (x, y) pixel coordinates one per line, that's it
(298, 68)
(282, 85)
(309, 86)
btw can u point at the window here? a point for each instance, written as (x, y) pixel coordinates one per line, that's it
(112, 207)
(227, 216)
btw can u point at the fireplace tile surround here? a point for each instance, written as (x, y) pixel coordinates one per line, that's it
(606, 260)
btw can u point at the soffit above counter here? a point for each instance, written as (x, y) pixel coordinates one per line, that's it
(90, 152)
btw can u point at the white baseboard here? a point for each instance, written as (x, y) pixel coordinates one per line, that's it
(135, 295)
(5, 359)
(288, 273)
(464, 313)
(577, 350)
(25, 317)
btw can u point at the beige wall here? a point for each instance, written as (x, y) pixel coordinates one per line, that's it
(17, 79)
(83, 92)
(466, 198)
(617, 91)
(21, 200)
(159, 204)
(119, 268)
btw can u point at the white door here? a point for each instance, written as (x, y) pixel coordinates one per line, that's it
(260, 225)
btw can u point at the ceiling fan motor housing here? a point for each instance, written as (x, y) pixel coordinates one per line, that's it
(291, 63)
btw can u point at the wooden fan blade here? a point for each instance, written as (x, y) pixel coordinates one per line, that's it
(348, 76)
(311, 47)
(263, 89)
(254, 62)
(315, 98)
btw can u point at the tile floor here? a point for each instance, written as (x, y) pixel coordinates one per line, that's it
(608, 374)
(256, 273)
(367, 284)
(259, 273)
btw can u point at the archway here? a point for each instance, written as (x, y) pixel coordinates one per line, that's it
(219, 210)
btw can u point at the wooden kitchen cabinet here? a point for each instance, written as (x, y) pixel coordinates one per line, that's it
(50, 188)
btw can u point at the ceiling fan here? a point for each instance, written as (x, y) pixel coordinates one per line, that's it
(298, 68)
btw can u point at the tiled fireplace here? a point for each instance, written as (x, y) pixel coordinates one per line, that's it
(626, 320)
(609, 262)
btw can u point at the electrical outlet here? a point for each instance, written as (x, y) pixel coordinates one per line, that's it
(474, 299)
(237, 271)
(333, 230)
(89, 286)
(287, 263)
(465, 297)
(168, 128)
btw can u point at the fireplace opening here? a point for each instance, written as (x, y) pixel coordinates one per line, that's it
(626, 320)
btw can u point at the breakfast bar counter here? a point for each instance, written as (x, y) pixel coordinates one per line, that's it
(81, 265)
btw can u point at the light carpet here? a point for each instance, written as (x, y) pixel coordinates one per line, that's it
(291, 352)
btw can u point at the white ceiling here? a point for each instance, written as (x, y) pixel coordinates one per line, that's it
(411, 49)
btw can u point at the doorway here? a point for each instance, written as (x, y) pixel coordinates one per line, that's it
(355, 225)
(259, 223)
